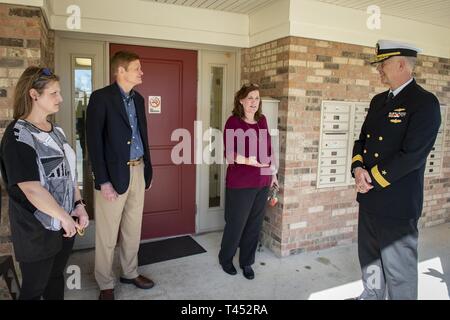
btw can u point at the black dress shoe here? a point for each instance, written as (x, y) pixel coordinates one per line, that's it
(140, 281)
(229, 268)
(248, 272)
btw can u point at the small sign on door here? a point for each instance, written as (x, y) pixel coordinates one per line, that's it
(154, 104)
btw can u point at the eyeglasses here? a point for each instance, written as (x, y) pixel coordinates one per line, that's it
(46, 72)
(43, 72)
(383, 63)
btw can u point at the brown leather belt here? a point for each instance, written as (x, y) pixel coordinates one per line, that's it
(134, 162)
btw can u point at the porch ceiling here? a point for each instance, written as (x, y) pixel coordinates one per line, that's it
(236, 6)
(436, 12)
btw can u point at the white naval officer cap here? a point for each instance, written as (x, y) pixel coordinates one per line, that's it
(389, 48)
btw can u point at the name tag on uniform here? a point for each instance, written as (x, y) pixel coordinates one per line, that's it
(397, 115)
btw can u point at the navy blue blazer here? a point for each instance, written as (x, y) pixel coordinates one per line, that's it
(108, 134)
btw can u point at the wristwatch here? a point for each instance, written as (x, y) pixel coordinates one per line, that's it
(81, 201)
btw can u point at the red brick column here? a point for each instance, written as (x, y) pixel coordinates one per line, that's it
(24, 40)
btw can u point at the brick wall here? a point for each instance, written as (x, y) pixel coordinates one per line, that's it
(24, 40)
(433, 74)
(301, 73)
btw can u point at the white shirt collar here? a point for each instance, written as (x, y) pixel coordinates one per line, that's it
(397, 91)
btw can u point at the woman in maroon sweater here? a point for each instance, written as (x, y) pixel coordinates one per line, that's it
(248, 152)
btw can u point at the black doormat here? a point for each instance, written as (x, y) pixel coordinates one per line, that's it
(168, 249)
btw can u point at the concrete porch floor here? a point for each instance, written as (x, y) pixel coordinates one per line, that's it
(327, 274)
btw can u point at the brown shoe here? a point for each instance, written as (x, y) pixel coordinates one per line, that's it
(107, 294)
(140, 282)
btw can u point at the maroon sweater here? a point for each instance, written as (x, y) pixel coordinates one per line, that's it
(247, 140)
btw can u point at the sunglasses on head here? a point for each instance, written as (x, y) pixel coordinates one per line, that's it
(45, 72)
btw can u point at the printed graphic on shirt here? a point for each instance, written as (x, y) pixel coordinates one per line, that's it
(56, 163)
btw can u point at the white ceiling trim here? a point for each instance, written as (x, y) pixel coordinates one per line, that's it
(435, 12)
(235, 6)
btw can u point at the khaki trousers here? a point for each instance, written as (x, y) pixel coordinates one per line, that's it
(122, 215)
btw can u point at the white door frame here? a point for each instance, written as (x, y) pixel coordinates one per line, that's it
(212, 219)
(65, 50)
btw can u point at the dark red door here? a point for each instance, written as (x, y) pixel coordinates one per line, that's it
(172, 75)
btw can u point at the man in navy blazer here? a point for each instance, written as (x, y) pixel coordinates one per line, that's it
(116, 130)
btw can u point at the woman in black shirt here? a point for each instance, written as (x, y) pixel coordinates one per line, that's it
(45, 205)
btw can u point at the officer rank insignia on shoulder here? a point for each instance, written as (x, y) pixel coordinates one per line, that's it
(396, 115)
